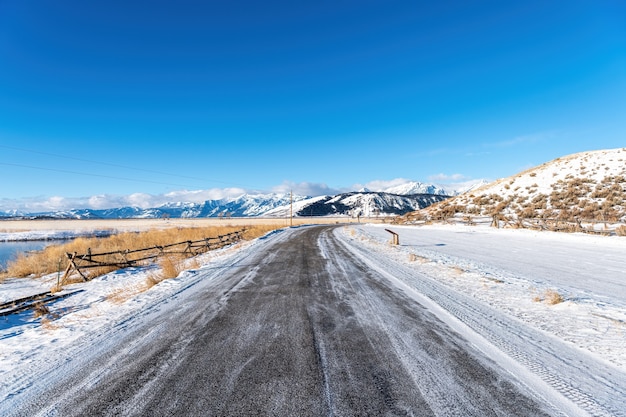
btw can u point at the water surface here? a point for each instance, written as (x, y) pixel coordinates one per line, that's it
(10, 250)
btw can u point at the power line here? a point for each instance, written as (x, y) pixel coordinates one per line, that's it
(91, 175)
(15, 148)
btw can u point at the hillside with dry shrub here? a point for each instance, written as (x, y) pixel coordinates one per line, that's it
(585, 187)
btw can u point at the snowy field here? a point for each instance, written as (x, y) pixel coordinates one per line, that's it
(11, 230)
(506, 273)
(513, 270)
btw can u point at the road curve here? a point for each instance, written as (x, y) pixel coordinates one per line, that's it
(300, 328)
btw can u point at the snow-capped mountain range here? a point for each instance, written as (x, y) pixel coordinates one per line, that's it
(393, 201)
(364, 203)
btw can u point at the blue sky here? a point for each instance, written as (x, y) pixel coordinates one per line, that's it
(136, 102)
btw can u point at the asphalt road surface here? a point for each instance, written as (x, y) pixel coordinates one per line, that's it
(298, 329)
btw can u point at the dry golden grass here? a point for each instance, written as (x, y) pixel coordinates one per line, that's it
(457, 270)
(56, 288)
(53, 258)
(550, 297)
(152, 280)
(121, 295)
(40, 310)
(171, 266)
(417, 258)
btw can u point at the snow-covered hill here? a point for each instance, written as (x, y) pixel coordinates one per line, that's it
(584, 186)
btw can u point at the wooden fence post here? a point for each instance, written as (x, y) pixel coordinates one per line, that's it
(72, 265)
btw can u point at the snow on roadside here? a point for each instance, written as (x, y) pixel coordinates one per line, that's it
(594, 324)
(27, 341)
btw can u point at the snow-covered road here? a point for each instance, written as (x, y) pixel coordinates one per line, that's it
(333, 321)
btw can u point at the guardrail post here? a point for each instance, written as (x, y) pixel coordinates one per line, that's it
(395, 239)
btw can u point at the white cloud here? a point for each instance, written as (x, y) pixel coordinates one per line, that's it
(310, 189)
(34, 204)
(98, 201)
(142, 200)
(454, 182)
(145, 200)
(380, 185)
(447, 178)
(198, 196)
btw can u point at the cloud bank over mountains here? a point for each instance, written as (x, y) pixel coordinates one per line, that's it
(144, 200)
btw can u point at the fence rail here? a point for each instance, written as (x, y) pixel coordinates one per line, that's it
(598, 227)
(590, 226)
(31, 302)
(128, 258)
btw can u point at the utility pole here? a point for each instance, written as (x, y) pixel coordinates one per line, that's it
(290, 207)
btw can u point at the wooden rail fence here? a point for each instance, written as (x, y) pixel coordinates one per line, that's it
(127, 258)
(560, 225)
(31, 302)
(597, 227)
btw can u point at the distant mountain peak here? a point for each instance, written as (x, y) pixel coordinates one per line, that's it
(416, 187)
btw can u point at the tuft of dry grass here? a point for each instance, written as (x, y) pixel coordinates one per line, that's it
(457, 270)
(121, 295)
(56, 288)
(171, 266)
(152, 280)
(417, 258)
(40, 310)
(53, 258)
(551, 297)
